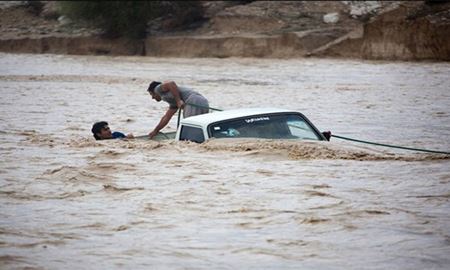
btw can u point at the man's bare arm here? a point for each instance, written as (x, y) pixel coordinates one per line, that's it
(163, 122)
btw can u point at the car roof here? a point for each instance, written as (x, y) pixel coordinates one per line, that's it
(208, 118)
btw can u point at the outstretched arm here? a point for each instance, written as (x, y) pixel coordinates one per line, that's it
(163, 122)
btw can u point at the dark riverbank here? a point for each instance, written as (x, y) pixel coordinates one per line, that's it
(285, 29)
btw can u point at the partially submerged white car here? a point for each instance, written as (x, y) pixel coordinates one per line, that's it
(266, 123)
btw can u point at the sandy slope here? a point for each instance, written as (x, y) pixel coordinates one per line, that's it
(282, 29)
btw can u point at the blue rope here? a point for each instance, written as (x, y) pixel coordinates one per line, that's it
(204, 107)
(392, 146)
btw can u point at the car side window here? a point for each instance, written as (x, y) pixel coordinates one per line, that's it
(277, 126)
(301, 129)
(194, 134)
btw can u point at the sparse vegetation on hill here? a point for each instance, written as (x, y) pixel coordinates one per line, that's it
(128, 18)
(397, 30)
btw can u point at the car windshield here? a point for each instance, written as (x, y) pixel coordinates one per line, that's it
(281, 126)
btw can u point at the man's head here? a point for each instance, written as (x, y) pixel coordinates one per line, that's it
(101, 131)
(151, 90)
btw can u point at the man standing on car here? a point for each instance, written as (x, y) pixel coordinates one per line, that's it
(178, 97)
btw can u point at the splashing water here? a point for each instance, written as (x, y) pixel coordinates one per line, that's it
(68, 201)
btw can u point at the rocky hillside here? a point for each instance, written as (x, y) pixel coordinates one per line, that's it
(389, 30)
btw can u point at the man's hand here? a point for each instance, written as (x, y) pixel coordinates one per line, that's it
(163, 122)
(130, 136)
(153, 134)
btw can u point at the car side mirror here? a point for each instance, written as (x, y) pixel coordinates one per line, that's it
(327, 135)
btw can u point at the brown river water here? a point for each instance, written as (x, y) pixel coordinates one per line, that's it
(69, 202)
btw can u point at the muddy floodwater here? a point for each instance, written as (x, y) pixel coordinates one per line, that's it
(70, 202)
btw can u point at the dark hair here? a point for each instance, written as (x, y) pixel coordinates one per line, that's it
(152, 86)
(97, 127)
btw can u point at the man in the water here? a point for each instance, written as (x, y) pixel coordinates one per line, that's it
(102, 131)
